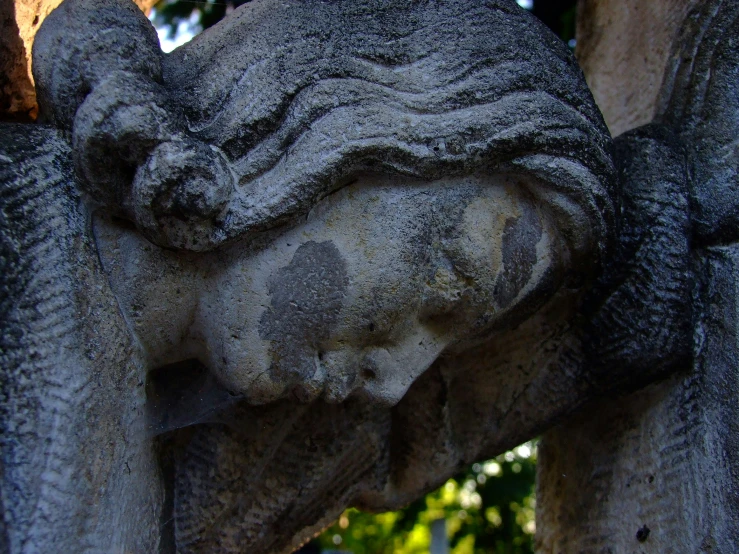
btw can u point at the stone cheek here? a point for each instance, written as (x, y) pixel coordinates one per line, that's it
(306, 298)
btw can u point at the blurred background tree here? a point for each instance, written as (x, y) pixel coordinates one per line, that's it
(489, 508)
(180, 20)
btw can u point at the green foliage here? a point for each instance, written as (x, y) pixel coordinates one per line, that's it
(489, 509)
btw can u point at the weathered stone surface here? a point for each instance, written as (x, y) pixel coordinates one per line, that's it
(656, 470)
(639, 313)
(78, 472)
(623, 47)
(350, 195)
(382, 277)
(326, 254)
(664, 457)
(700, 101)
(19, 22)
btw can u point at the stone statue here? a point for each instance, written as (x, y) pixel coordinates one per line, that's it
(326, 254)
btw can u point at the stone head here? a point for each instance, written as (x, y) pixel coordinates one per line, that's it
(342, 207)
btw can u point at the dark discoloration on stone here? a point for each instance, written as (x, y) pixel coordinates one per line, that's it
(307, 296)
(643, 533)
(519, 255)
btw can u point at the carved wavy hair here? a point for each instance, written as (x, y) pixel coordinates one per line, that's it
(307, 94)
(291, 99)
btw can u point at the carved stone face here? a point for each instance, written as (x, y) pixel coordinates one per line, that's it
(430, 250)
(379, 280)
(316, 200)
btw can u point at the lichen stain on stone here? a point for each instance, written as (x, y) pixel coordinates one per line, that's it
(306, 296)
(520, 238)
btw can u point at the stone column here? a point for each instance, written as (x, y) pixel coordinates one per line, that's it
(623, 46)
(656, 470)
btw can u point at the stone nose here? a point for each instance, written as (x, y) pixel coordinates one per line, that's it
(370, 372)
